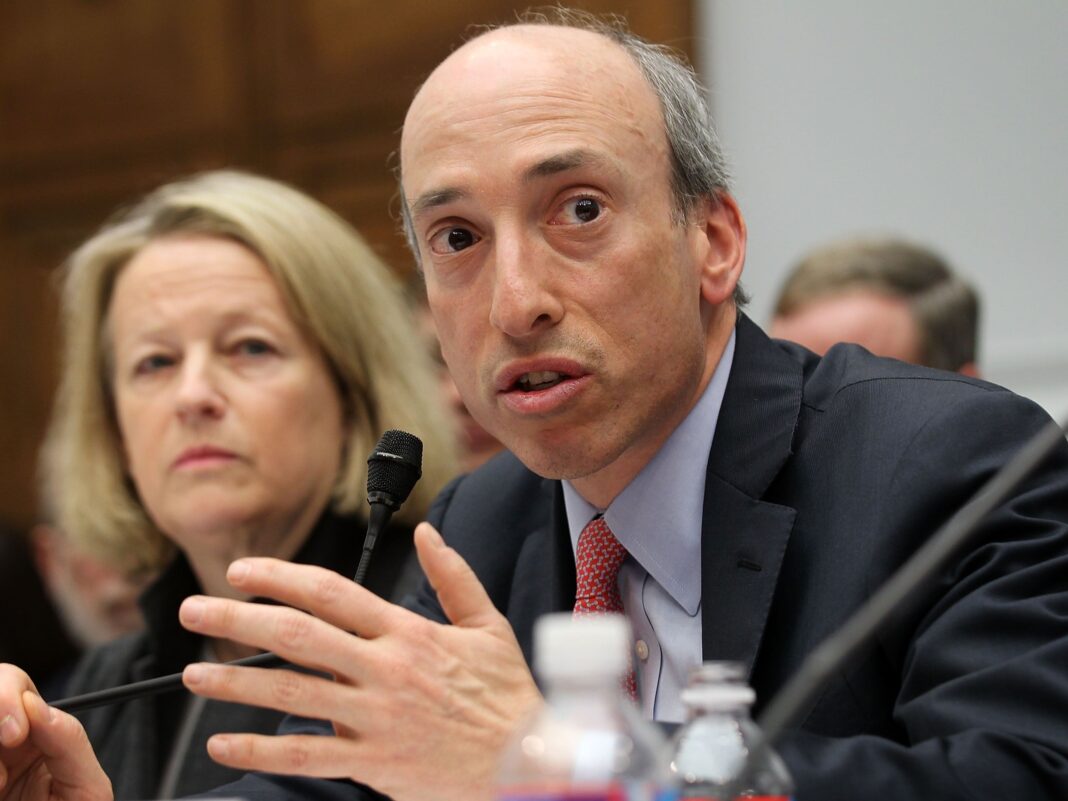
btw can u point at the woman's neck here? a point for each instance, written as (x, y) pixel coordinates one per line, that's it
(211, 560)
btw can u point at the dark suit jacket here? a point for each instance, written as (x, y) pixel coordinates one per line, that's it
(824, 476)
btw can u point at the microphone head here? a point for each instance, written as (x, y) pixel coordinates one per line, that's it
(393, 468)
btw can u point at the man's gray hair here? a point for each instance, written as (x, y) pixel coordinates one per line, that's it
(698, 167)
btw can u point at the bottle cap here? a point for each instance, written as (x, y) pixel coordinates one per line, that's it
(718, 685)
(592, 645)
(718, 696)
(718, 671)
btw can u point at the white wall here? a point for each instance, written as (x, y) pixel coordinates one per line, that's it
(945, 121)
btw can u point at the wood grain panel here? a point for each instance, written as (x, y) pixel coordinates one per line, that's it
(28, 345)
(106, 74)
(101, 100)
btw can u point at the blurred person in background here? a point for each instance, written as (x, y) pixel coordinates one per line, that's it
(892, 297)
(96, 599)
(233, 351)
(68, 599)
(34, 637)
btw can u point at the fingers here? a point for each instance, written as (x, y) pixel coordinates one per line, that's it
(327, 595)
(290, 633)
(65, 746)
(13, 721)
(292, 754)
(284, 690)
(460, 593)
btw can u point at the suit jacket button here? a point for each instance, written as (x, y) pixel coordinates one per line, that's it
(641, 648)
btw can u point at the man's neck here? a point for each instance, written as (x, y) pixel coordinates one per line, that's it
(602, 487)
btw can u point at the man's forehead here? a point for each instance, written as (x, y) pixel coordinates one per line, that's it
(514, 56)
(542, 63)
(515, 43)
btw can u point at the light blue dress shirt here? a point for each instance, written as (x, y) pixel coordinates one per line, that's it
(658, 518)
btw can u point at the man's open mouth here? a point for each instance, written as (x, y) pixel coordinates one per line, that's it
(543, 379)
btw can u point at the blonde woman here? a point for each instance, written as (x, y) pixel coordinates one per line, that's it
(233, 351)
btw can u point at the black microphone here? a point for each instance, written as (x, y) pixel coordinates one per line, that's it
(392, 470)
(891, 598)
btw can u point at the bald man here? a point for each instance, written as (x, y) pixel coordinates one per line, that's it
(570, 211)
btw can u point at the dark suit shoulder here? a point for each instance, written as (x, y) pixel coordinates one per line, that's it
(888, 408)
(899, 438)
(847, 368)
(502, 495)
(489, 517)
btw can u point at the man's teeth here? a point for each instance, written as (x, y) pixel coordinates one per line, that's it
(544, 379)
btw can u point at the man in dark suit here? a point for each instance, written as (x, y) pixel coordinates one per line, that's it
(582, 255)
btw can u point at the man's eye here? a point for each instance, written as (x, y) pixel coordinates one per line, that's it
(452, 240)
(587, 209)
(578, 211)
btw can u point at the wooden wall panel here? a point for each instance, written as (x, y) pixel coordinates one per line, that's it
(27, 355)
(100, 100)
(98, 75)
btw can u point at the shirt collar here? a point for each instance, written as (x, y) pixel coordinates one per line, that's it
(658, 516)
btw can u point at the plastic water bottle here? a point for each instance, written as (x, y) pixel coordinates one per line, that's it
(710, 749)
(588, 742)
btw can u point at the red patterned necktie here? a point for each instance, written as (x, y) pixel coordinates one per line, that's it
(598, 557)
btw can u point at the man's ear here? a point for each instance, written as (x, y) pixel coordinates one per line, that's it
(719, 236)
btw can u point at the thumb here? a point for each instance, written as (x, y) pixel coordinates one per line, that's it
(460, 593)
(73, 770)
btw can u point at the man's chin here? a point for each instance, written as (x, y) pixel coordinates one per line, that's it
(560, 461)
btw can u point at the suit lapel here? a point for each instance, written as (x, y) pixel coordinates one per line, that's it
(563, 555)
(743, 543)
(534, 591)
(744, 538)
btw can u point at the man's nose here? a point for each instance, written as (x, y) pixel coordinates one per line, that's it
(199, 395)
(525, 301)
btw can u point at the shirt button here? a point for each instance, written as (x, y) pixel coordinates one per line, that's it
(642, 650)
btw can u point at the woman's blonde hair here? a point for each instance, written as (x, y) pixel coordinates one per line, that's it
(337, 292)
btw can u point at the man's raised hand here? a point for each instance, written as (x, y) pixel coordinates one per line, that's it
(420, 710)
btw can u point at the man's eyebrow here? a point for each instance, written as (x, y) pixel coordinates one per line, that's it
(434, 198)
(562, 162)
(572, 159)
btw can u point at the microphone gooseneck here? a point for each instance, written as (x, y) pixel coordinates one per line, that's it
(392, 470)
